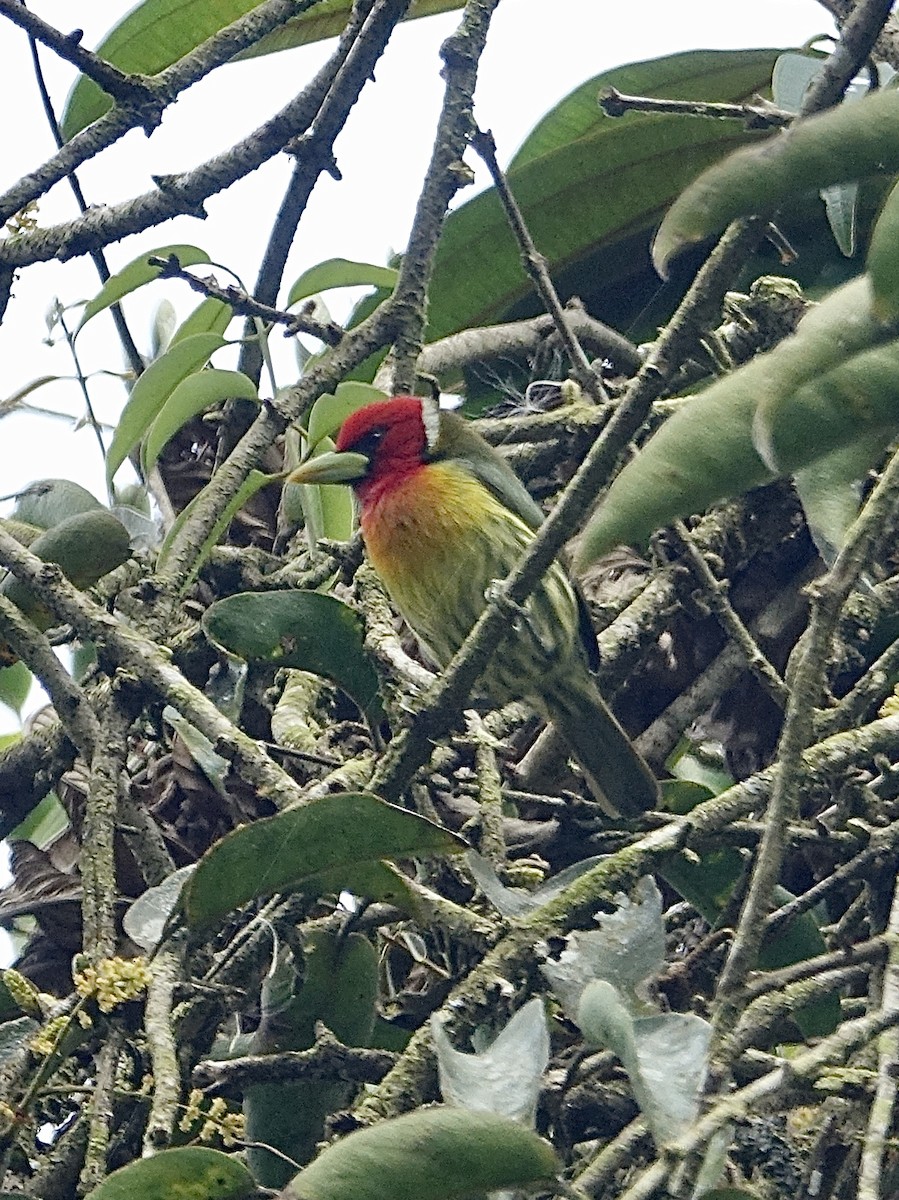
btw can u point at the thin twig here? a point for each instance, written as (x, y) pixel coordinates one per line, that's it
(754, 116)
(858, 35)
(125, 89)
(317, 153)
(714, 594)
(100, 1113)
(535, 266)
(132, 353)
(446, 173)
(246, 305)
(98, 902)
(880, 1118)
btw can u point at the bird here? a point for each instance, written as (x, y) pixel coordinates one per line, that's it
(444, 519)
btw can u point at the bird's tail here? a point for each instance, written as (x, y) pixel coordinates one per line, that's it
(617, 774)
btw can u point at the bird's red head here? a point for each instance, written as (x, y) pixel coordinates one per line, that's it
(394, 435)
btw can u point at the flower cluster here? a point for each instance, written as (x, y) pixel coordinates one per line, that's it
(114, 981)
(216, 1120)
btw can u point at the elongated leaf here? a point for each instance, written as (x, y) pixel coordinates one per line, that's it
(210, 316)
(431, 1154)
(187, 1173)
(338, 273)
(707, 450)
(586, 182)
(153, 389)
(830, 491)
(293, 848)
(135, 275)
(191, 396)
(305, 630)
(331, 410)
(157, 33)
(843, 144)
(855, 401)
(883, 259)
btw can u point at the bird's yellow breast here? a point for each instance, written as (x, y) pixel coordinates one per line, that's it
(438, 540)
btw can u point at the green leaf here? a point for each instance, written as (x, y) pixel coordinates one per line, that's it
(856, 401)
(340, 273)
(157, 33)
(587, 182)
(135, 275)
(191, 396)
(85, 546)
(306, 630)
(46, 502)
(340, 987)
(290, 851)
(708, 884)
(145, 920)
(840, 145)
(44, 824)
(211, 316)
(328, 511)
(152, 390)
(431, 1154)
(830, 491)
(330, 411)
(708, 449)
(883, 259)
(187, 1173)
(15, 684)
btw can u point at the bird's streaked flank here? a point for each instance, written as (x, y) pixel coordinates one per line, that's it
(444, 518)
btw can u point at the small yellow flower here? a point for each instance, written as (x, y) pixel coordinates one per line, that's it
(114, 981)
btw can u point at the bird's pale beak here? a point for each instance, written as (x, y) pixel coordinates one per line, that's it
(331, 467)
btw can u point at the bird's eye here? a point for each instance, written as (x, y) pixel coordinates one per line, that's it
(369, 442)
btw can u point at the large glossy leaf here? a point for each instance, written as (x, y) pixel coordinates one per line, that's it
(291, 850)
(431, 1154)
(187, 1173)
(157, 33)
(305, 630)
(586, 182)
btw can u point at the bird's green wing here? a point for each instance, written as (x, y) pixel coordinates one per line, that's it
(462, 443)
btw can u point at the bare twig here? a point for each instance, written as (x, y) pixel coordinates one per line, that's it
(535, 265)
(754, 116)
